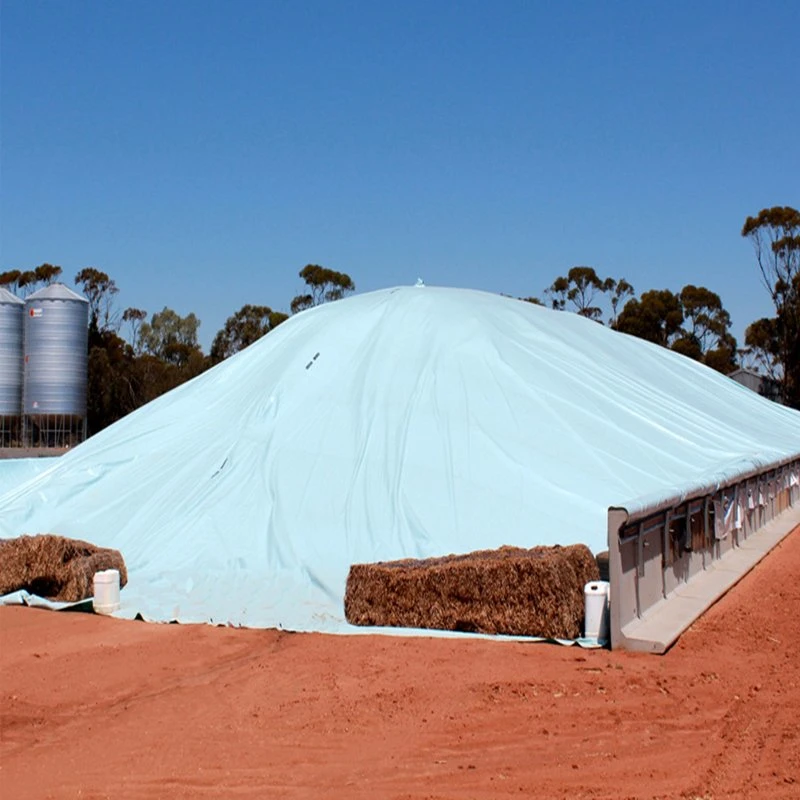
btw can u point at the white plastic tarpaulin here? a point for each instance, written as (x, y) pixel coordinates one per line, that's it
(409, 422)
(14, 471)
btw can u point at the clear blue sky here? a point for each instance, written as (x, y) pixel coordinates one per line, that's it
(202, 153)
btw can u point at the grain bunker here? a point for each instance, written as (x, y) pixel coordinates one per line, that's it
(415, 423)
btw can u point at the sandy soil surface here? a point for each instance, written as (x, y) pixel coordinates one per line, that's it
(94, 707)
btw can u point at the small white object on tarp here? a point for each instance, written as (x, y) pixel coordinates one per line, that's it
(106, 591)
(596, 594)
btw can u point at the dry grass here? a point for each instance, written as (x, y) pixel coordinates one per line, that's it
(513, 591)
(55, 567)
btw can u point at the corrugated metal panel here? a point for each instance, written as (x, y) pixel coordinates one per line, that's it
(11, 319)
(56, 340)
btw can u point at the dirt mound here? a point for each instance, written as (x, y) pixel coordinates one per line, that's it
(55, 567)
(513, 591)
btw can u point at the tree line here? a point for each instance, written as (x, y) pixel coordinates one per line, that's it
(692, 321)
(133, 359)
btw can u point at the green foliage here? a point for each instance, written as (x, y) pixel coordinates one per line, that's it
(170, 337)
(621, 292)
(325, 285)
(109, 393)
(763, 346)
(10, 279)
(580, 288)
(134, 317)
(99, 290)
(47, 273)
(243, 328)
(688, 346)
(707, 324)
(775, 235)
(692, 323)
(28, 281)
(775, 343)
(657, 317)
(723, 358)
(21, 282)
(119, 381)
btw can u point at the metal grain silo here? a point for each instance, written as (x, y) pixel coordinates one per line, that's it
(55, 367)
(11, 319)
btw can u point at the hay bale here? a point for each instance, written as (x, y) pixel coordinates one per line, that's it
(537, 592)
(55, 567)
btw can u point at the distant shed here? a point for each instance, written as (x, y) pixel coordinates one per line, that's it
(758, 383)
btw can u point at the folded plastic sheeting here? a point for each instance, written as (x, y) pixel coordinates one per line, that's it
(405, 423)
(14, 471)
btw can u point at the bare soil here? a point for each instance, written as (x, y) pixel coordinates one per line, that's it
(93, 707)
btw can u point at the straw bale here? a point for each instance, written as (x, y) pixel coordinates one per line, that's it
(55, 567)
(513, 591)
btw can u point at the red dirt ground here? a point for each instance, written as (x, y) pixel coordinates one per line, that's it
(93, 707)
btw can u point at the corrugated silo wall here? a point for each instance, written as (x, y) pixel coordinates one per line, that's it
(11, 335)
(56, 359)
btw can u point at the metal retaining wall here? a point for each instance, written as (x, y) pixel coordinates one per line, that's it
(670, 561)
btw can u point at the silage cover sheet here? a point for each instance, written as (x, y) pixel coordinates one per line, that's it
(404, 423)
(18, 470)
